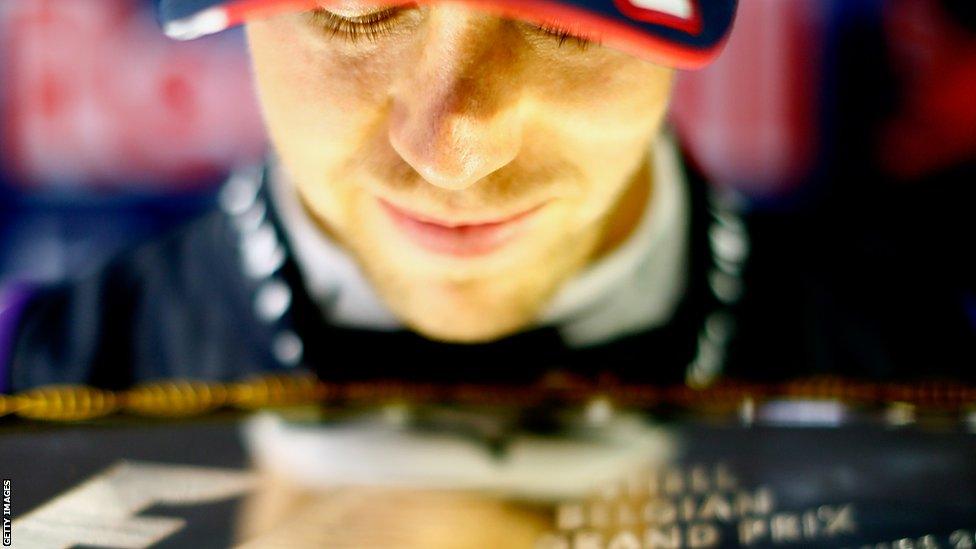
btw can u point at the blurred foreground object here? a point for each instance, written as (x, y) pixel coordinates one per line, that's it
(720, 484)
(187, 399)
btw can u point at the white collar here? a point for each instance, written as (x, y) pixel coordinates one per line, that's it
(633, 288)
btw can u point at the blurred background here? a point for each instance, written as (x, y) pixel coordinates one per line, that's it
(111, 132)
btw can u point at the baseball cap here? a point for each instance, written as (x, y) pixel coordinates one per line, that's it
(680, 33)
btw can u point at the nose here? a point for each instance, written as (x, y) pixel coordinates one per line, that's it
(454, 119)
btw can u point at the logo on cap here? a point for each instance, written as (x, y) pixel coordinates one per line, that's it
(678, 14)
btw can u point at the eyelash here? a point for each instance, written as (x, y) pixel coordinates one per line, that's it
(370, 26)
(380, 23)
(563, 35)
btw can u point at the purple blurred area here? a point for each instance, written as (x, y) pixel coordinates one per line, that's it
(112, 133)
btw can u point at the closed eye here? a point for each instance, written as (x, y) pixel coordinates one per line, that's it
(370, 26)
(379, 23)
(563, 34)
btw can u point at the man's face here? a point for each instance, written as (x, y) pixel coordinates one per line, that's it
(470, 163)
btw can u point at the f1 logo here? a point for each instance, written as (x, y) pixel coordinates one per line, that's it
(104, 511)
(679, 14)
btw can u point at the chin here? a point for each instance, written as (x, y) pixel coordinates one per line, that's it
(468, 329)
(464, 337)
(473, 299)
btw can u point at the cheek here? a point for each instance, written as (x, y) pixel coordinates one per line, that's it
(606, 110)
(322, 100)
(317, 95)
(611, 94)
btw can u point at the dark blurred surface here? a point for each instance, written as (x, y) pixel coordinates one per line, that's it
(729, 484)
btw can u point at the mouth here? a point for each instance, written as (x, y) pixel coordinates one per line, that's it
(459, 238)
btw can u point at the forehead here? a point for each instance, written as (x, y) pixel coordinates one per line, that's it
(677, 33)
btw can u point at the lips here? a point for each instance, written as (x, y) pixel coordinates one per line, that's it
(455, 238)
